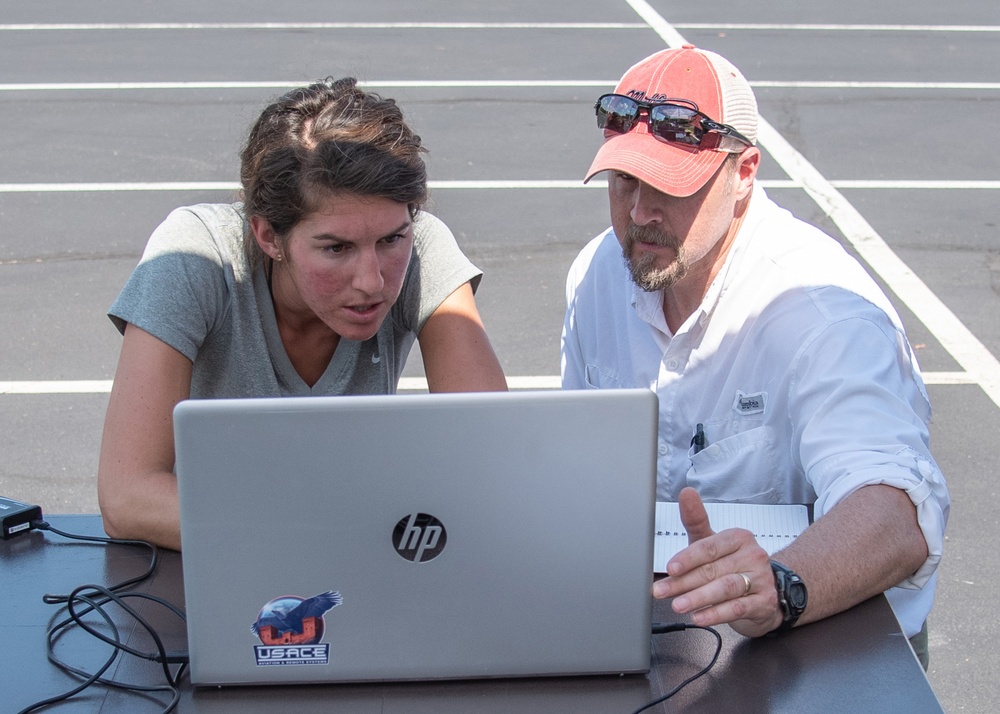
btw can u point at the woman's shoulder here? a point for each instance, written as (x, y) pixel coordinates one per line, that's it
(220, 221)
(428, 228)
(210, 230)
(438, 267)
(434, 243)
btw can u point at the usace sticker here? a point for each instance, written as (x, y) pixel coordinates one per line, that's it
(291, 630)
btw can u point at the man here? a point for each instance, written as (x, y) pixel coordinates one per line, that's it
(783, 372)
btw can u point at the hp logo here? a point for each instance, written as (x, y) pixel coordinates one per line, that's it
(419, 537)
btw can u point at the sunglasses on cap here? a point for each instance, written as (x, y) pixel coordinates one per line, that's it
(677, 121)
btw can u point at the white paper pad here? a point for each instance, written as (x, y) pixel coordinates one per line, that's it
(774, 526)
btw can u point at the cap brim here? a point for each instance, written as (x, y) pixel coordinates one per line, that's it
(674, 169)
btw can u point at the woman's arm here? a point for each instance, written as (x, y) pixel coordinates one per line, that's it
(457, 353)
(136, 487)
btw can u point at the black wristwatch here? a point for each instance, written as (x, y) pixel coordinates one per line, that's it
(792, 595)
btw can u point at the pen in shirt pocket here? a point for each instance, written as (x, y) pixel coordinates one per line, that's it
(698, 440)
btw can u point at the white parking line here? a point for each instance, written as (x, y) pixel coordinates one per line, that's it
(844, 84)
(728, 26)
(290, 84)
(836, 27)
(465, 84)
(91, 26)
(492, 185)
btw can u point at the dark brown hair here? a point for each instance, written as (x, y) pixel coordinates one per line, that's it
(325, 138)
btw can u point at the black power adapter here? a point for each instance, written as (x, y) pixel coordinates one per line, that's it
(16, 517)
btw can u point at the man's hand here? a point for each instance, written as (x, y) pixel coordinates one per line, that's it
(720, 577)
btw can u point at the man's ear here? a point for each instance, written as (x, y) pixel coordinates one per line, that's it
(265, 236)
(746, 169)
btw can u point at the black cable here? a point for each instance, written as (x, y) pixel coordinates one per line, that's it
(89, 680)
(660, 628)
(94, 599)
(153, 560)
(161, 654)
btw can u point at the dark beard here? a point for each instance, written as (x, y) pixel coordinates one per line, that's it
(643, 273)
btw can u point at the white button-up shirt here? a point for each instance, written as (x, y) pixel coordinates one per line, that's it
(795, 364)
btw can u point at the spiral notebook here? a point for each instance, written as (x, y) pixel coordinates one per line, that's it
(775, 526)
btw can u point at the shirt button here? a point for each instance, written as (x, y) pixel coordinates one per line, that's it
(672, 364)
(663, 449)
(713, 450)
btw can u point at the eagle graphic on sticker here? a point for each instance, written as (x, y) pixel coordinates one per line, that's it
(291, 629)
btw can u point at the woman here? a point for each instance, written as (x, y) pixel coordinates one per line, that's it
(317, 283)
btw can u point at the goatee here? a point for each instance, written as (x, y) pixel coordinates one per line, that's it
(643, 271)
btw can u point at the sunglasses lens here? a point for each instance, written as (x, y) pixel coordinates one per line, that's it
(677, 124)
(617, 114)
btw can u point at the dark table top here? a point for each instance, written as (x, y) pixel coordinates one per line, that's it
(857, 661)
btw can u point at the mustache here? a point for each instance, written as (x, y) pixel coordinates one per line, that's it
(647, 234)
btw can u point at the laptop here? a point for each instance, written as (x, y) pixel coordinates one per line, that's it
(417, 537)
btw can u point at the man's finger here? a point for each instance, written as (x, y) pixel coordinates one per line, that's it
(693, 515)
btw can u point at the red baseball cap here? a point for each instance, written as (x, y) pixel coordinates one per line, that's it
(708, 80)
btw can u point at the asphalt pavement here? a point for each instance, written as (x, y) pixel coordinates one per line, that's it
(882, 121)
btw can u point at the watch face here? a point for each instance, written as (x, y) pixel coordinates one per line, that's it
(797, 596)
(792, 593)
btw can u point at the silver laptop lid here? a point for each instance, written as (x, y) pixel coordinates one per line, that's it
(417, 537)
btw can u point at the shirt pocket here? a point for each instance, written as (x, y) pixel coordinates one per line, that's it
(596, 378)
(740, 468)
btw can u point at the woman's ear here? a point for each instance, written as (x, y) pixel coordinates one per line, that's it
(265, 236)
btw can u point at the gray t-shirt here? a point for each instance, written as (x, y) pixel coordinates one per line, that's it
(194, 290)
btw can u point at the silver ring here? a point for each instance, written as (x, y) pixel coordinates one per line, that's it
(746, 581)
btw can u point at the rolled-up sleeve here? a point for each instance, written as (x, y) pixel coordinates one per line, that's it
(862, 413)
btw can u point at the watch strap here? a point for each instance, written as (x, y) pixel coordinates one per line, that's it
(792, 595)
